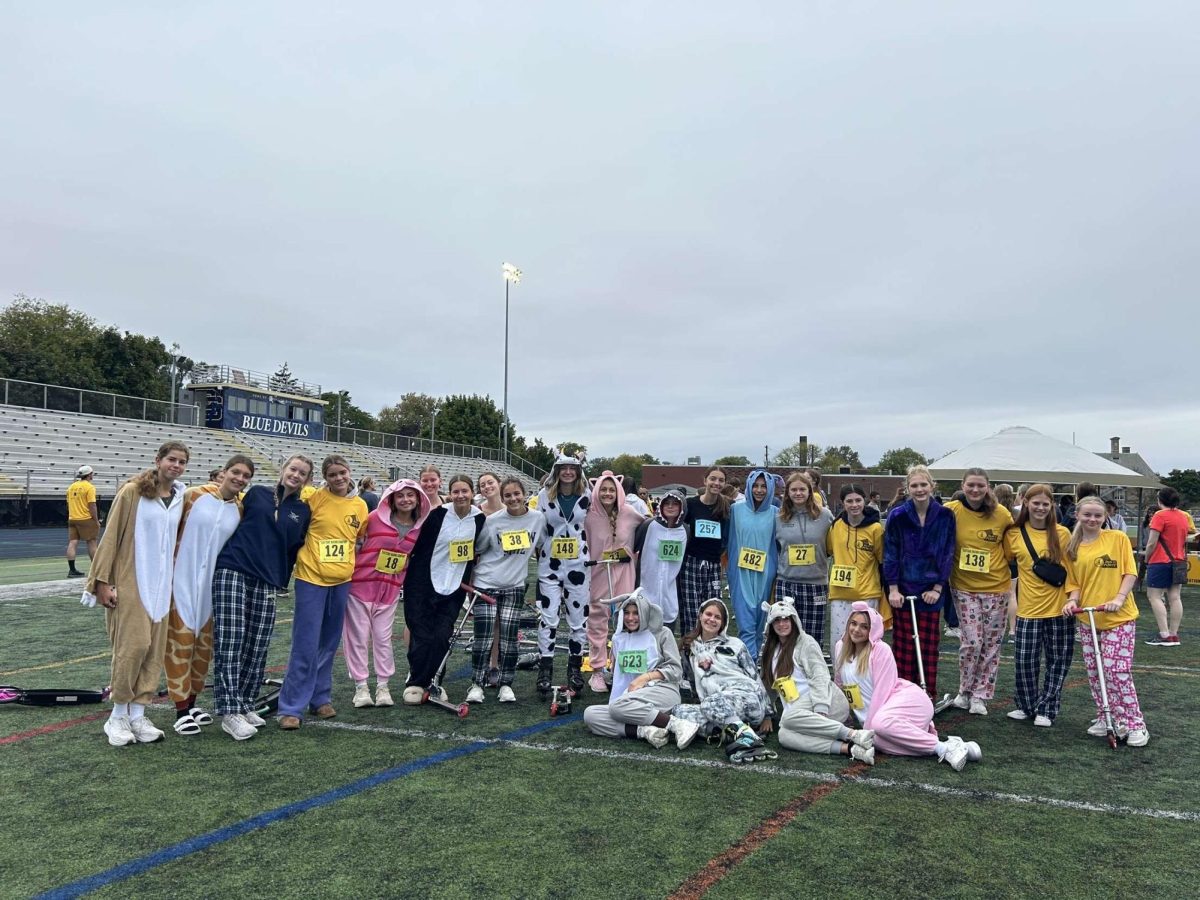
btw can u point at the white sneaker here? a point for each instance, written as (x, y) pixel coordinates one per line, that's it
(506, 694)
(864, 738)
(863, 754)
(362, 696)
(383, 695)
(684, 731)
(1043, 721)
(961, 701)
(655, 737)
(412, 695)
(974, 751)
(1139, 737)
(144, 731)
(440, 694)
(954, 633)
(254, 719)
(475, 694)
(236, 726)
(956, 755)
(1097, 728)
(1018, 714)
(117, 729)
(978, 707)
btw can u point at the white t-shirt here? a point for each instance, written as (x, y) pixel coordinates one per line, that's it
(851, 676)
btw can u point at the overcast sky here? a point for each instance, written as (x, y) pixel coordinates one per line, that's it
(875, 224)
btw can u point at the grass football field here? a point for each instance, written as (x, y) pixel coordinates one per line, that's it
(510, 802)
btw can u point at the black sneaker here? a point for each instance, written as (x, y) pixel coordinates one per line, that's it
(75, 574)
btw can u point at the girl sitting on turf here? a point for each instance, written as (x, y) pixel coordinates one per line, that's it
(379, 569)
(898, 711)
(814, 711)
(726, 682)
(645, 680)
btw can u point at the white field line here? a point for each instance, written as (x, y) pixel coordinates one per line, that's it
(780, 772)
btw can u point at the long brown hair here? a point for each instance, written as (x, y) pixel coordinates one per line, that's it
(147, 482)
(787, 508)
(1053, 548)
(988, 506)
(685, 642)
(786, 648)
(721, 504)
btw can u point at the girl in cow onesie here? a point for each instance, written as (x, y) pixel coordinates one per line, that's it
(660, 544)
(645, 680)
(562, 571)
(898, 711)
(610, 525)
(379, 569)
(814, 710)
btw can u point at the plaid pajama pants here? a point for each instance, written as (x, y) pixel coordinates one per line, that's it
(811, 600)
(1054, 637)
(243, 620)
(509, 604)
(699, 580)
(929, 630)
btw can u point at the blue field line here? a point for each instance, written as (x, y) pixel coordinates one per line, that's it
(282, 813)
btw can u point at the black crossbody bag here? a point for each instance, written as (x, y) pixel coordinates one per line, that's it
(1046, 569)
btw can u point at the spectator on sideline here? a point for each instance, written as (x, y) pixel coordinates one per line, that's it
(875, 501)
(83, 518)
(1116, 521)
(1166, 544)
(369, 493)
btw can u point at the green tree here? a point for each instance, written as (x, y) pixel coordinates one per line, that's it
(570, 448)
(352, 416)
(471, 420)
(1187, 482)
(835, 457)
(597, 465)
(537, 452)
(898, 460)
(732, 461)
(283, 380)
(627, 464)
(797, 454)
(412, 416)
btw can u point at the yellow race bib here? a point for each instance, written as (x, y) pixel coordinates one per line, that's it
(462, 551)
(787, 689)
(514, 540)
(614, 555)
(853, 696)
(390, 562)
(801, 554)
(974, 560)
(564, 548)
(334, 551)
(754, 560)
(843, 577)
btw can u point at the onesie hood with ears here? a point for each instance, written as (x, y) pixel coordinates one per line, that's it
(594, 485)
(564, 459)
(784, 609)
(773, 483)
(724, 609)
(649, 615)
(678, 497)
(876, 633)
(423, 504)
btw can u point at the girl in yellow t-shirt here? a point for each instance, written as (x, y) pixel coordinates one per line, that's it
(981, 584)
(324, 568)
(1041, 627)
(854, 545)
(1101, 572)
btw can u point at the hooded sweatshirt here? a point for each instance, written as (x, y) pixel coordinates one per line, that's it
(731, 665)
(855, 555)
(801, 542)
(660, 550)
(382, 561)
(915, 558)
(880, 686)
(555, 561)
(651, 648)
(443, 534)
(810, 674)
(752, 528)
(606, 538)
(208, 521)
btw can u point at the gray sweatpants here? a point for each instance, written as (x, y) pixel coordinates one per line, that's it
(800, 728)
(639, 707)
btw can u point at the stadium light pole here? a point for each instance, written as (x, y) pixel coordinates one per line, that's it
(512, 275)
(174, 374)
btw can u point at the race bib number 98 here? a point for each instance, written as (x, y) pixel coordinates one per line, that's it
(754, 560)
(462, 551)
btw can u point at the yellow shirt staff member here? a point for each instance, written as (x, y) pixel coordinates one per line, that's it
(1101, 573)
(323, 571)
(83, 518)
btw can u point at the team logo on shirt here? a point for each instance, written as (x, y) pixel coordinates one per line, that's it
(865, 544)
(1106, 562)
(352, 521)
(294, 517)
(988, 535)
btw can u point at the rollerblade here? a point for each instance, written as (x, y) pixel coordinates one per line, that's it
(545, 676)
(744, 746)
(575, 673)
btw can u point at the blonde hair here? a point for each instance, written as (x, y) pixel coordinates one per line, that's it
(787, 508)
(552, 486)
(147, 482)
(847, 653)
(301, 458)
(1077, 532)
(921, 469)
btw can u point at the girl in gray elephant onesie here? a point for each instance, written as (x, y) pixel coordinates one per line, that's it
(646, 675)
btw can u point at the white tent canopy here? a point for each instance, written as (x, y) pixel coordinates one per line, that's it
(1021, 454)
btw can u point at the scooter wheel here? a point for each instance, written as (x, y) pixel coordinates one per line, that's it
(1112, 741)
(463, 710)
(425, 697)
(554, 709)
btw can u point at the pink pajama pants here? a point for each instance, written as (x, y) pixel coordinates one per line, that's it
(1116, 648)
(981, 619)
(368, 623)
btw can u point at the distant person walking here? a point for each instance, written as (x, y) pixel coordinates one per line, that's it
(83, 519)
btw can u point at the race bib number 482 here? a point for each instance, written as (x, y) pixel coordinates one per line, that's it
(754, 560)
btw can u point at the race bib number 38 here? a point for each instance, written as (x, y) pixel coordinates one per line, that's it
(801, 554)
(974, 560)
(514, 540)
(462, 551)
(754, 560)
(564, 548)
(334, 551)
(632, 662)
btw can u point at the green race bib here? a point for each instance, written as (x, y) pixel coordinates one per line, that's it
(670, 551)
(632, 662)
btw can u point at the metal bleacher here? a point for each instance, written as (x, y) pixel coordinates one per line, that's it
(40, 451)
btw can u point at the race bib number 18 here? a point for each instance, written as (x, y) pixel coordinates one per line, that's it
(390, 562)
(754, 560)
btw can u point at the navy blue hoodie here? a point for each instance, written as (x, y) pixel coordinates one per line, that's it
(265, 544)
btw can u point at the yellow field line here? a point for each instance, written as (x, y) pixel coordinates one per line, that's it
(55, 665)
